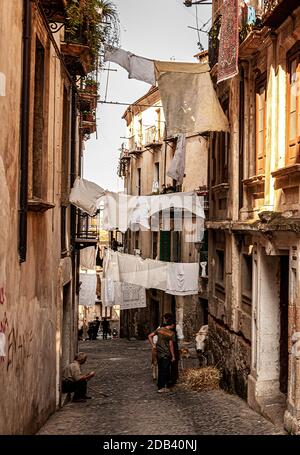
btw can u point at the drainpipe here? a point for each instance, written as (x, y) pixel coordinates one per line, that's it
(73, 158)
(24, 131)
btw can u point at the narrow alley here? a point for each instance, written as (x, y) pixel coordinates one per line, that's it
(132, 405)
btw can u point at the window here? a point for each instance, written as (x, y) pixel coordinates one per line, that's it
(139, 181)
(220, 266)
(220, 152)
(63, 226)
(140, 143)
(293, 106)
(137, 240)
(154, 244)
(165, 246)
(247, 274)
(38, 142)
(158, 121)
(260, 123)
(176, 246)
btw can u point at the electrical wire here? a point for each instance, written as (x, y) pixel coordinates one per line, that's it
(198, 32)
(128, 104)
(107, 81)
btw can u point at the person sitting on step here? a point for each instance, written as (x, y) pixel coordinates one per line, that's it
(74, 381)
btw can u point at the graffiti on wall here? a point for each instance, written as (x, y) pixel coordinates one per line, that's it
(19, 346)
(14, 346)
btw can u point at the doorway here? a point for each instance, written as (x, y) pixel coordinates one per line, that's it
(284, 301)
(66, 325)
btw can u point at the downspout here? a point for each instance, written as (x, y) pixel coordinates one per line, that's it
(75, 265)
(73, 158)
(24, 131)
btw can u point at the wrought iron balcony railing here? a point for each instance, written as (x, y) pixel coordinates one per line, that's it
(87, 233)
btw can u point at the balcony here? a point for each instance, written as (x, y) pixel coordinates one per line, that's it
(55, 10)
(87, 233)
(277, 11)
(135, 147)
(88, 122)
(124, 163)
(77, 58)
(152, 137)
(87, 98)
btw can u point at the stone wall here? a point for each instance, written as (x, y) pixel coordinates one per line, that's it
(232, 354)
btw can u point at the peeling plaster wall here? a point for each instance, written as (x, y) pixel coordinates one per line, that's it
(30, 315)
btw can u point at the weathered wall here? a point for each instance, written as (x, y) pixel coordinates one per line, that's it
(31, 315)
(232, 355)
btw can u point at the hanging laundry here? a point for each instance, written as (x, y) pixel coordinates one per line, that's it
(87, 293)
(142, 69)
(229, 41)
(188, 97)
(118, 211)
(88, 257)
(182, 279)
(85, 195)
(133, 296)
(107, 292)
(251, 18)
(133, 270)
(174, 278)
(139, 219)
(139, 68)
(189, 100)
(157, 274)
(118, 56)
(186, 201)
(177, 166)
(111, 265)
(122, 211)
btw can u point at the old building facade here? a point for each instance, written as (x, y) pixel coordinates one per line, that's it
(144, 163)
(254, 217)
(42, 129)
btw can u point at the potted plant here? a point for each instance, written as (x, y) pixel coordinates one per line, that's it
(88, 116)
(93, 23)
(91, 85)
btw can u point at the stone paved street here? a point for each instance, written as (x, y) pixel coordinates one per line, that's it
(133, 406)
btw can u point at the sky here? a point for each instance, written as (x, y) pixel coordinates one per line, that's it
(156, 29)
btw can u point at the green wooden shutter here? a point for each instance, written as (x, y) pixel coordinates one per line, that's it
(165, 246)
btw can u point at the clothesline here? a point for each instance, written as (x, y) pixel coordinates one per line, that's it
(171, 277)
(129, 104)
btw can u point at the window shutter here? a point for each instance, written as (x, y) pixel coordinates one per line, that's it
(165, 246)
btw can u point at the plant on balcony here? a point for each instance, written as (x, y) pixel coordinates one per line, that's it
(92, 23)
(88, 116)
(123, 167)
(91, 85)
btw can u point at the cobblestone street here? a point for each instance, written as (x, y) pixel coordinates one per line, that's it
(132, 406)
